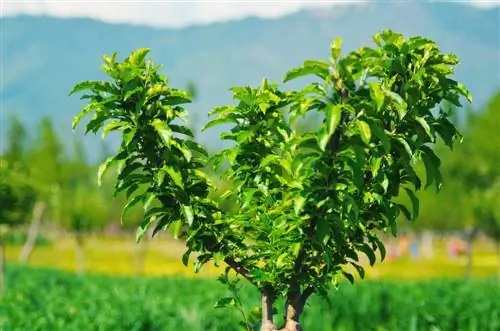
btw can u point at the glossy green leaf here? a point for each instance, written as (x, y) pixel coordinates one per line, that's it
(163, 131)
(188, 213)
(311, 67)
(103, 167)
(377, 94)
(364, 131)
(335, 46)
(414, 202)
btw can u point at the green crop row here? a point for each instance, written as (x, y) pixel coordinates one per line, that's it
(40, 299)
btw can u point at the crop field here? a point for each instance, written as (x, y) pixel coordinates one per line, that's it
(45, 299)
(162, 257)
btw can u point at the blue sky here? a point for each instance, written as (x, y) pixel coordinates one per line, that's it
(176, 13)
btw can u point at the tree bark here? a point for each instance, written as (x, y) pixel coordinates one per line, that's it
(294, 306)
(267, 311)
(2, 266)
(80, 254)
(32, 232)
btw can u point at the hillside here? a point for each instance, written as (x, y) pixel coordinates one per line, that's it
(43, 57)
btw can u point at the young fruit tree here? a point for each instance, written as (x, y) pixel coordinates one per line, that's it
(307, 203)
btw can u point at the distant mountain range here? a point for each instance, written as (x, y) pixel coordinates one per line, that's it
(43, 57)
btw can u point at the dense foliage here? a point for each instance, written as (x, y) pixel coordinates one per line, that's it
(17, 197)
(40, 300)
(309, 202)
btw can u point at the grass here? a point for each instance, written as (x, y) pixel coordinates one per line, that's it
(162, 256)
(39, 299)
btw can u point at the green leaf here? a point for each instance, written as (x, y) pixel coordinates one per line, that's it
(225, 302)
(377, 94)
(175, 175)
(93, 106)
(349, 277)
(115, 125)
(196, 147)
(310, 67)
(148, 200)
(322, 230)
(335, 46)
(298, 205)
(103, 167)
(163, 131)
(381, 247)
(369, 253)
(365, 132)
(181, 129)
(143, 228)
(333, 115)
(269, 159)
(280, 261)
(132, 202)
(406, 146)
(185, 257)
(218, 121)
(379, 132)
(401, 105)
(414, 202)
(94, 86)
(138, 57)
(431, 163)
(188, 213)
(426, 127)
(464, 91)
(155, 90)
(176, 228)
(359, 269)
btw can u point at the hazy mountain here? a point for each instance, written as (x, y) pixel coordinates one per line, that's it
(43, 57)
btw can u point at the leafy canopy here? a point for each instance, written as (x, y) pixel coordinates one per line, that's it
(307, 203)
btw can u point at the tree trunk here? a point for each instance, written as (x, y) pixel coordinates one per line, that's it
(293, 312)
(267, 311)
(80, 254)
(470, 235)
(2, 266)
(32, 232)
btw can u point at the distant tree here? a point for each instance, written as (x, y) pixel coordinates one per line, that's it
(307, 203)
(17, 198)
(83, 209)
(475, 166)
(16, 161)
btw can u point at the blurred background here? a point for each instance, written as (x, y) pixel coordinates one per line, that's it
(71, 265)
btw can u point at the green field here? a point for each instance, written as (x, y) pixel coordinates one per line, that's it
(43, 299)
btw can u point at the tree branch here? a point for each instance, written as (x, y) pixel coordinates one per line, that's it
(236, 266)
(307, 293)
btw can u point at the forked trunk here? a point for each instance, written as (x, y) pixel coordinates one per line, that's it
(294, 307)
(2, 266)
(32, 232)
(80, 254)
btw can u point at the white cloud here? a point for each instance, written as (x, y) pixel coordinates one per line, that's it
(172, 13)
